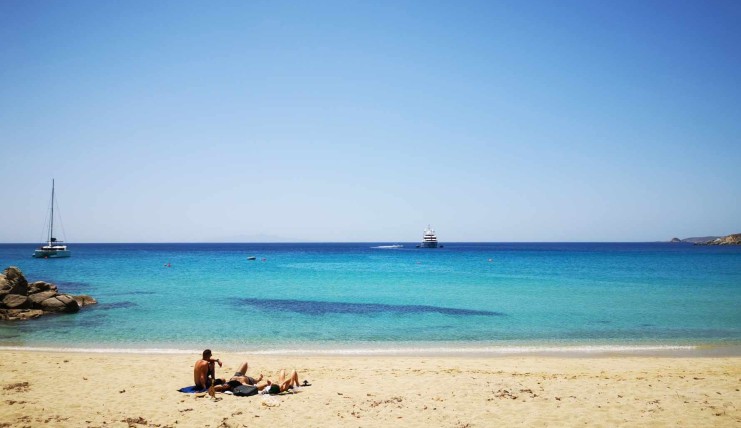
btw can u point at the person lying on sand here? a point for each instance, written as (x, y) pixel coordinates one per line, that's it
(204, 371)
(283, 384)
(240, 377)
(204, 374)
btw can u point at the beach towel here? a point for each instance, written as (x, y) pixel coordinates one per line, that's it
(192, 389)
(244, 390)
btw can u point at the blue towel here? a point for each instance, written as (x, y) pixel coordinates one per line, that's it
(192, 389)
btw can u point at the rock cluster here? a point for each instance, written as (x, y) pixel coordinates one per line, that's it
(20, 300)
(734, 239)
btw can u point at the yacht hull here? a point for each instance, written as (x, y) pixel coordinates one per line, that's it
(51, 254)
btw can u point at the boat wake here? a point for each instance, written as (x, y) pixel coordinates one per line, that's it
(386, 247)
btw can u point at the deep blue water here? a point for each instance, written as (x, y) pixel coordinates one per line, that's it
(358, 297)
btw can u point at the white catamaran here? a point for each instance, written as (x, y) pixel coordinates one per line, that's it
(53, 248)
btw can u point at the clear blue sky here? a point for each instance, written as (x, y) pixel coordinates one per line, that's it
(365, 121)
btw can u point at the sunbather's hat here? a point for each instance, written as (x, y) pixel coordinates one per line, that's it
(306, 383)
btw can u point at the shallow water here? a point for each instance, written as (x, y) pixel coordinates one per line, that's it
(371, 297)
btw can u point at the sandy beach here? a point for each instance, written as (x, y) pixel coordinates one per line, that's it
(137, 390)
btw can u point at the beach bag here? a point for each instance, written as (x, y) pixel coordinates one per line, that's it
(244, 390)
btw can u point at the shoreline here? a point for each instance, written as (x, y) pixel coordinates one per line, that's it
(463, 350)
(114, 389)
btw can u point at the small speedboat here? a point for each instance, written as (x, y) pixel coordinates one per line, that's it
(251, 258)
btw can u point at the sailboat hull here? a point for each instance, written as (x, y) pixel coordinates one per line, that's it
(51, 254)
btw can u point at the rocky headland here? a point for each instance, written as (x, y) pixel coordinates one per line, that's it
(20, 300)
(734, 239)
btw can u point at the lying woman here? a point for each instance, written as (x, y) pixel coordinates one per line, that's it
(283, 384)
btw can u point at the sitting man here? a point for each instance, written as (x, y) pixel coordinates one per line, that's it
(204, 371)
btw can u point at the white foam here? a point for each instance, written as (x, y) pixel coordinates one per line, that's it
(586, 350)
(101, 350)
(484, 350)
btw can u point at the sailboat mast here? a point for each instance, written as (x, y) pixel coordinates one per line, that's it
(51, 221)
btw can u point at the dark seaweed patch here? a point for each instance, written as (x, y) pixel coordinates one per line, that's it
(132, 293)
(307, 307)
(115, 305)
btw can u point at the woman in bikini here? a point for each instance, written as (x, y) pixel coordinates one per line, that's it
(284, 383)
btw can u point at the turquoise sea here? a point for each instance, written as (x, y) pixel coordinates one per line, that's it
(476, 298)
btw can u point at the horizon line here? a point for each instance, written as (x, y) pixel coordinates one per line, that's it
(360, 242)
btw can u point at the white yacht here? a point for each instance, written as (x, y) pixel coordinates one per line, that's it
(429, 239)
(53, 248)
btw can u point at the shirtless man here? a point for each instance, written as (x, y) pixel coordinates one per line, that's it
(204, 371)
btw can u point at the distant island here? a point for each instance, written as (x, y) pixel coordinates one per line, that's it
(733, 239)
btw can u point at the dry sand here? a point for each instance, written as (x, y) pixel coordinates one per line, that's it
(77, 389)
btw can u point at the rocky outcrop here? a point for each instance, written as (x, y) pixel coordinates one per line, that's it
(734, 239)
(16, 301)
(85, 300)
(20, 314)
(20, 300)
(675, 240)
(12, 281)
